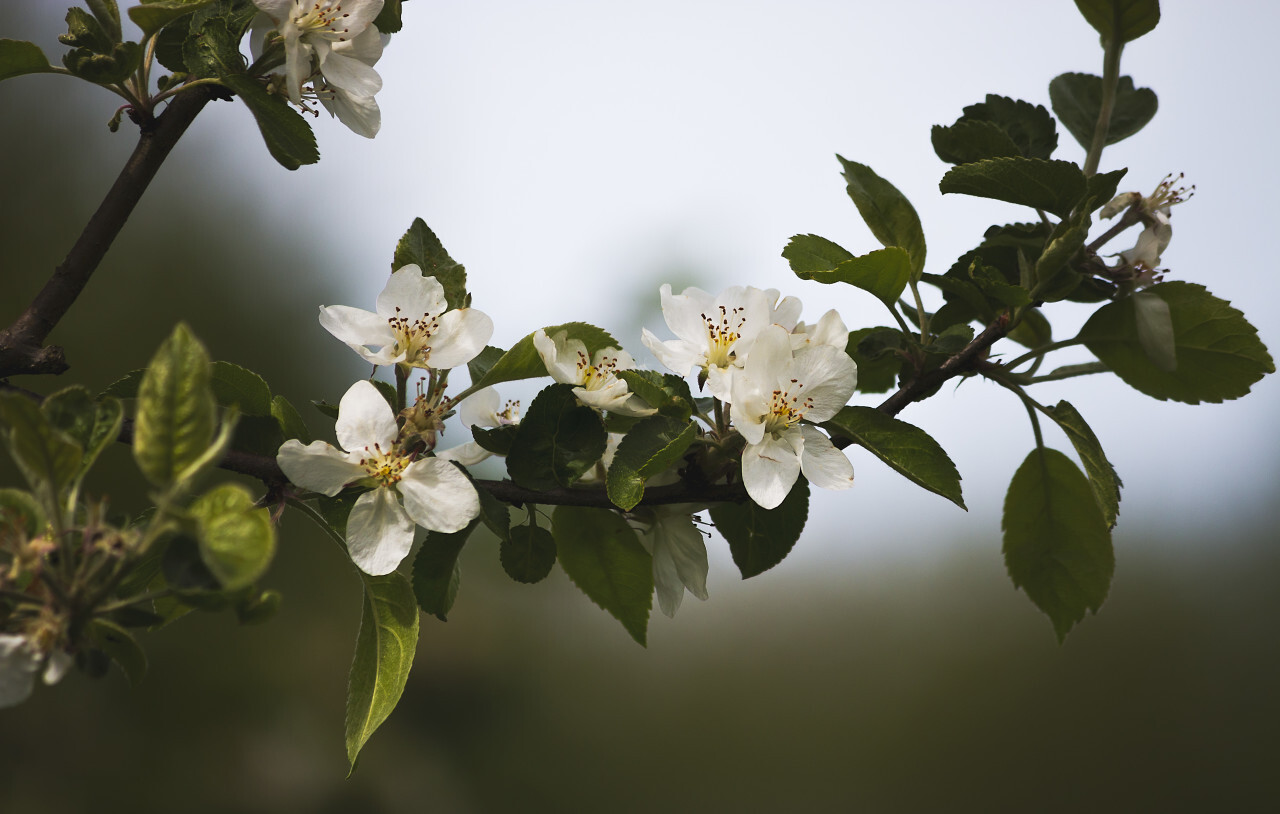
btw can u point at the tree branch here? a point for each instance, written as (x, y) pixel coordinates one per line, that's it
(21, 350)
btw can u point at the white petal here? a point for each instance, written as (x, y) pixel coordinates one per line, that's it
(365, 419)
(683, 313)
(317, 466)
(360, 114)
(480, 409)
(437, 496)
(769, 357)
(770, 468)
(462, 334)
(18, 666)
(468, 454)
(409, 294)
(358, 328)
(830, 330)
(666, 579)
(822, 464)
(829, 377)
(720, 382)
(379, 533)
(679, 538)
(277, 10)
(675, 355)
(560, 354)
(297, 63)
(58, 665)
(367, 47)
(350, 74)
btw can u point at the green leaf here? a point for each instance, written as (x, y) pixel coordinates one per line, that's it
(1077, 99)
(176, 409)
(667, 393)
(887, 212)
(497, 440)
(651, 447)
(1034, 331)
(1054, 186)
(484, 362)
(93, 425)
(1218, 353)
(18, 57)
(388, 20)
(49, 460)
(495, 514)
(237, 541)
(213, 47)
(1102, 475)
(1055, 278)
(257, 608)
(385, 648)
(1155, 330)
(523, 361)
(528, 554)
(436, 575)
(245, 389)
(884, 273)
(126, 387)
(877, 370)
(1122, 20)
(108, 15)
(906, 448)
(557, 441)
(20, 511)
(422, 248)
(601, 555)
(85, 32)
(761, 538)
(121, 647)
(289, 420)
(1057, 546)
(156, 14)
(287, 135)
(104, 68)
(971, 140)
(806, 253)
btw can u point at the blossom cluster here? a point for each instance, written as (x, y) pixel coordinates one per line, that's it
(773, 379)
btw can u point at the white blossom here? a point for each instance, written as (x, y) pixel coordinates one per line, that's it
(437, 496)
(482, 408)
(776, 389)
(20, 662)
(411, 325)
(594, 377)
(317, 34)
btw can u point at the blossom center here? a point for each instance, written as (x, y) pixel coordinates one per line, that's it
(723, 330)
(599, 375)
(325, 18)
(384, 467)
(413, 338)
(786, 407)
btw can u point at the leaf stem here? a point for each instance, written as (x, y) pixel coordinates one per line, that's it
(1110, 79)
(1070, 372)
(1042, 350)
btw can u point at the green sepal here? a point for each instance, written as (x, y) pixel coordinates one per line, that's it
(1102, 475)
(761, 538)
(557, 441)
(600, 553)
(886, 211)
(1122, 20)
(1218, 353)
(176, 409)
(385, 648)
(651, 447)
(528, 554)
(1077, 99)
(436, 574)
(18, 57)
(1054, 186)
(909, 450)
(523, 361)
(121, 647)
(237, 541)
(420, 246)
(1057, 546)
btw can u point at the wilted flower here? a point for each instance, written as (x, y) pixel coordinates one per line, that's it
(437, 496)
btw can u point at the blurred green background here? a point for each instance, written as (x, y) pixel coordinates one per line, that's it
(871, 683)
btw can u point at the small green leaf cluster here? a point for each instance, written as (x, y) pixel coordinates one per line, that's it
(74, 580)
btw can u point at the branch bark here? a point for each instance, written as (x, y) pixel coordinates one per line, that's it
(22, 348)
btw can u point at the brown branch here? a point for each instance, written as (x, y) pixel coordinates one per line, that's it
(21, 350)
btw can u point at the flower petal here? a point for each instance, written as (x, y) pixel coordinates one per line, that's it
(411, 295)
(438, 496)
(468, 454)
(365, 419)
(462, 334)
(350, 74)
(317, 466)
(675, 355)
(480, 409)
(379, 532)
(18, 664)
(358, 328)
(829, 377)
(822, 464)
(770, 468)
(360, 114)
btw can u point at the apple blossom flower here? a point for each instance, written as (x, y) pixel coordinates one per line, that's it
(313, 31)
(678, 549)
(1154, 211)
(437, 496)
(20, 660)
(828, 330)
(775, 390)
(594, 376)
(714, 334)
(412, 326)
(480, 409)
